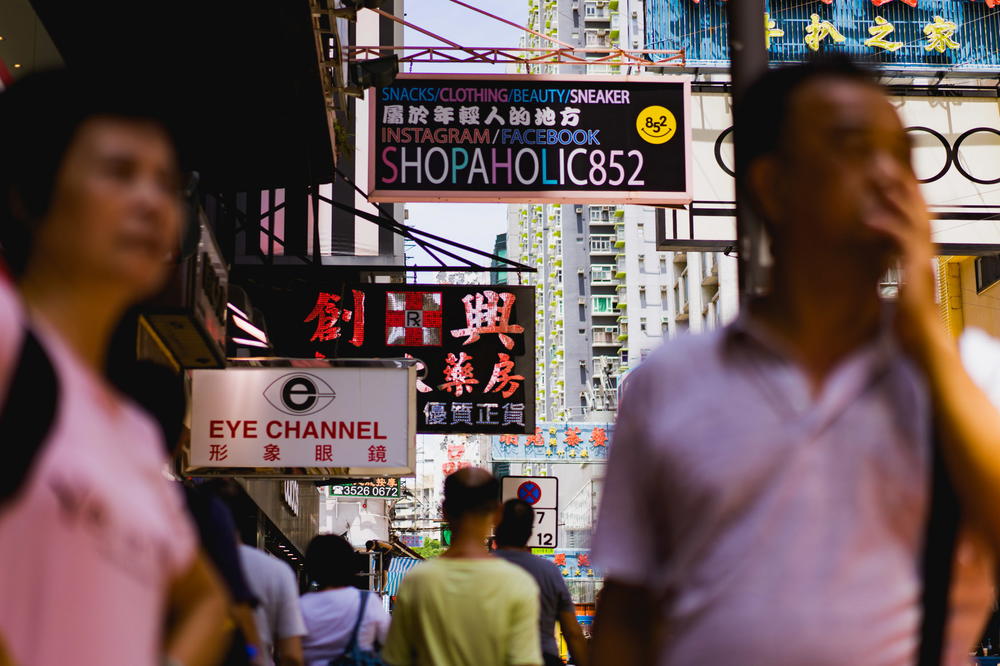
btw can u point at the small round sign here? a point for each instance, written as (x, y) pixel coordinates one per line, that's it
(529, 492)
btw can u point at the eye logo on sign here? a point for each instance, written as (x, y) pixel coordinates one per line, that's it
(299, 394)
(656, 124)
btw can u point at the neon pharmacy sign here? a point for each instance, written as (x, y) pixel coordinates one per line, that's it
(531, 138)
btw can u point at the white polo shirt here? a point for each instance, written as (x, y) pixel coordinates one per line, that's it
(776, 528)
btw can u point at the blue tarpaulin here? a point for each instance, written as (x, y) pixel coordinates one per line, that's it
(398, 568)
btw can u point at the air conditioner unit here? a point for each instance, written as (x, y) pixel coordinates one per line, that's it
(576, 6)
(635, 43)
(635, 14)
(579, 211)
(579, 271)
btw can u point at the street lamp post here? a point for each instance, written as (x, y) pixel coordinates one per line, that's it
(748, 60)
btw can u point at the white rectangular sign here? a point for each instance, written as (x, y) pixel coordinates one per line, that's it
(358, 418)
(542, 493)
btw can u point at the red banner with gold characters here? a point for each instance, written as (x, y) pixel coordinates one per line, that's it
(473, 345)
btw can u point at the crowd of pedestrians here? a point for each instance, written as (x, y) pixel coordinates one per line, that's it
(798, 520)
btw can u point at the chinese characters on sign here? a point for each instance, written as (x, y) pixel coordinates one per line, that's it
(573, 564)
(554, 443)
(936, 34)
(469, 138)
(329, 317)
(473, 347)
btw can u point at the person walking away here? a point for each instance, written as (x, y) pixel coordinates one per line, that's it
(466, 607)
(784, 524)
(95, 548)
(279, 619)
(555, 602)
(335, 612)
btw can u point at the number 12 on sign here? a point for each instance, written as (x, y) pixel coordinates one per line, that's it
(544, 534)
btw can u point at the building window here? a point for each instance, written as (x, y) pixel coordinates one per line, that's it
(987, 272)
(602, 304)
(602, 273)
(602, 243)
(663, 264)
(605, 335)
(713, 318)
(681, 292)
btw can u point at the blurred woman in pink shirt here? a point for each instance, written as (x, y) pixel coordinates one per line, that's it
(98, 563)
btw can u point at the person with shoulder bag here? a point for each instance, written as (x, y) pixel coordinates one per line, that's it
(344, 627)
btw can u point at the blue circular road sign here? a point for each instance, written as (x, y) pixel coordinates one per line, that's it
(529, 492)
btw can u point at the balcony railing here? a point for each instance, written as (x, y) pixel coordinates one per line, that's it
(605, 338)
(602, 244)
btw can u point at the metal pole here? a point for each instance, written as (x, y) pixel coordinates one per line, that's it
(748, 60)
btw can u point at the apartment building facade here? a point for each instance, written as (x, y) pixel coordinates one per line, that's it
(606, 296)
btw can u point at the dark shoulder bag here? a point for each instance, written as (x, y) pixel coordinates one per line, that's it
(353, 654)
(26, 415)
(939, 553)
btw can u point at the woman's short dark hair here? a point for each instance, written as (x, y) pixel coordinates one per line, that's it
(332, 562)
(516, 524)
(41, 115)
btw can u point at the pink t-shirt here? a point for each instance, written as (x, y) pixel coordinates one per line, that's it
(90, 544)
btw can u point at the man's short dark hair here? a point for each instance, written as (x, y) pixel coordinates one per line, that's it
(40, 116)
(332, 562)
(765, 106)
(470, 491)
(516, 524)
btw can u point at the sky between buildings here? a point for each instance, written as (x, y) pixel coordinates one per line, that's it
(475, 225)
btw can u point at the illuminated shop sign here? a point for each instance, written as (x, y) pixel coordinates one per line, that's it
(961, 35)
(350, 418)
(473, 344)
(578, 139)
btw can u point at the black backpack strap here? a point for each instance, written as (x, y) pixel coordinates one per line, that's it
(943, 520)
(351, 644)
(27, 414)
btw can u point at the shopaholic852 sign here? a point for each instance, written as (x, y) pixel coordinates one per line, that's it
(529, 138)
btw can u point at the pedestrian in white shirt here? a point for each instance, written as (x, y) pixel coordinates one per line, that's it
(279, 619)
(331, 612)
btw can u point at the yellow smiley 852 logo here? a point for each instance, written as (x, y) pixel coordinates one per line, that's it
(655, 124)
